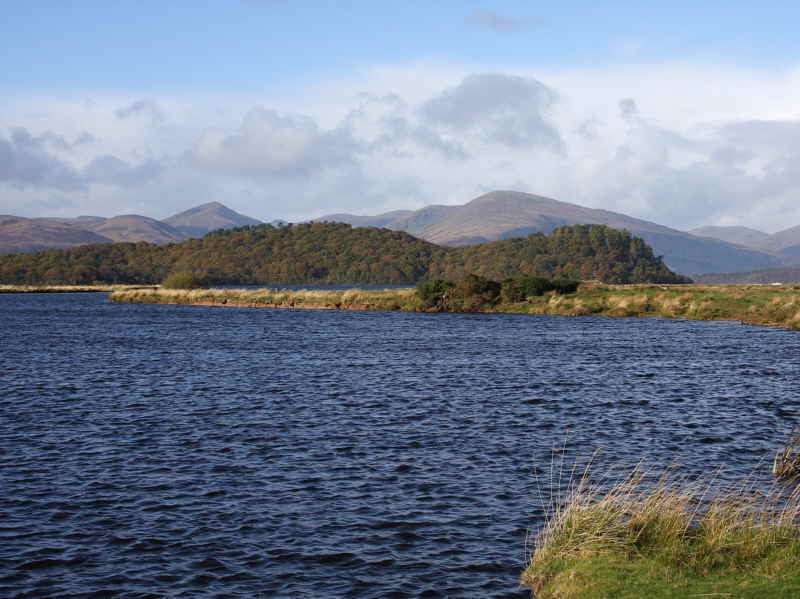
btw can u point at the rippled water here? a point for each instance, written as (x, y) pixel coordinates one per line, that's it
(162, 451)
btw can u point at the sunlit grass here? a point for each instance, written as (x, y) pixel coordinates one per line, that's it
(656, 534)
(750, 304)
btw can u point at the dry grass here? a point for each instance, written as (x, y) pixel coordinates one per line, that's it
(352, 299)
(749, 304)
(654, 527)
(787, 460)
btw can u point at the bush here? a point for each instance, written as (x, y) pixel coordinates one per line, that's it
(184, 280)
(564, 286)
(518, 289)
(473, 293)
(433, 293)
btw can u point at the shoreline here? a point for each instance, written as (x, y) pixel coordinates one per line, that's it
(759, 305)
(71, 288)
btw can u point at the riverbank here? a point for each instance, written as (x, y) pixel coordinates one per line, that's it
(70, 288)
(765, 305)
(664, 537)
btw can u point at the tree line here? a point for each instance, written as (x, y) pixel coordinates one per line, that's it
(336, 253)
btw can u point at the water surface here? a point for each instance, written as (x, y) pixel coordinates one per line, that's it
(168, 451)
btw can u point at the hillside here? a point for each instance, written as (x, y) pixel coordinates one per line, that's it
(19, 234)
(744, 236)
(205, 218)
(504, 214)
(30, 235)
(133, 227)
(333, 253)
(784, 244)
(764, 276)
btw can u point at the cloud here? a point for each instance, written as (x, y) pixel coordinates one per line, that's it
(502, 109)
(25, 161)
(144, 109)
(486, 19)
(269, 144)
(29, 161)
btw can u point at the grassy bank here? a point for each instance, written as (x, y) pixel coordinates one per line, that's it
(668, 539)
(68, 288)
(751, 304)
(317, 299)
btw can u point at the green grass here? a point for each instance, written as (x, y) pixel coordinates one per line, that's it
(671, 538)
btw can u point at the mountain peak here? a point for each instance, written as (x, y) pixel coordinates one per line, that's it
(211, 216)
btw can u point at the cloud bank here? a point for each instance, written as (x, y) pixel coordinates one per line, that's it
(668, 143)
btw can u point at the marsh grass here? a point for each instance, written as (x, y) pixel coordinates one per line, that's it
(348, 299)
(659, 534)
(787, 460)
(749, 304)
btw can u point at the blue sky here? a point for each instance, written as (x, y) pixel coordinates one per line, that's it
(681, 112)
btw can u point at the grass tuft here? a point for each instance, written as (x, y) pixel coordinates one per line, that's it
(662, 535)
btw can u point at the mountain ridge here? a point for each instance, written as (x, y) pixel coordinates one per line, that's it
(505, 213)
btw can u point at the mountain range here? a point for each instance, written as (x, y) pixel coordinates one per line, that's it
(32, 234)
(492, 216)
(504, 214)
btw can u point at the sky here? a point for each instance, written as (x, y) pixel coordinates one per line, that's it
(683, 113)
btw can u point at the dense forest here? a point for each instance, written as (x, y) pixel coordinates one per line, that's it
(335, 253)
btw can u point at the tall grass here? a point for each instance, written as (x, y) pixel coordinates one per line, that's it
(658, 534)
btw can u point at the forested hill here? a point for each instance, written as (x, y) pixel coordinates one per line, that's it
(335, 253)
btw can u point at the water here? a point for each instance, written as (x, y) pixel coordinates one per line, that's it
(163, 451)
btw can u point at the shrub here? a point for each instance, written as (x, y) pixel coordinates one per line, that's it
(184, 280)
(564, 286)
(518, 289)
(473, 293)
(433, 293)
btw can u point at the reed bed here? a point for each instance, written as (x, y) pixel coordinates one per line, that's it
(657, 534)
(749, 304)
(787, 460)
(348, 299)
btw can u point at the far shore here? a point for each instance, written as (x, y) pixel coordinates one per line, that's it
(71, 288)
(763, 305)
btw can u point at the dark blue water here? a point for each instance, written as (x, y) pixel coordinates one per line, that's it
(162, 451)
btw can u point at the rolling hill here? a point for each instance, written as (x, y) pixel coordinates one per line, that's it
(30, 235)
(505, 214)
(336, 253)
(18, 234)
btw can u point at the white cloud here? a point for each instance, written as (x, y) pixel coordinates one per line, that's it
(685, 145)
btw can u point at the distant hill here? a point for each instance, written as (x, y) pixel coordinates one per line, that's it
(335, 253)
(504, 214)
(33, 234)
(133, 227)
(744, 236)
(764, 276)
(785, 245)
(29, 235)
(205, 218)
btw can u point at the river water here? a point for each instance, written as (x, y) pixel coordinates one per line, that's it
(166, 451)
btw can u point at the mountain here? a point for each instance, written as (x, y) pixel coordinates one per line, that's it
(336, 253)
(760, 277)
(202, 219)
(750, 238)
(783, 244)
(19, 234)
(32, 234)
(133, 227)
(505, 214)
